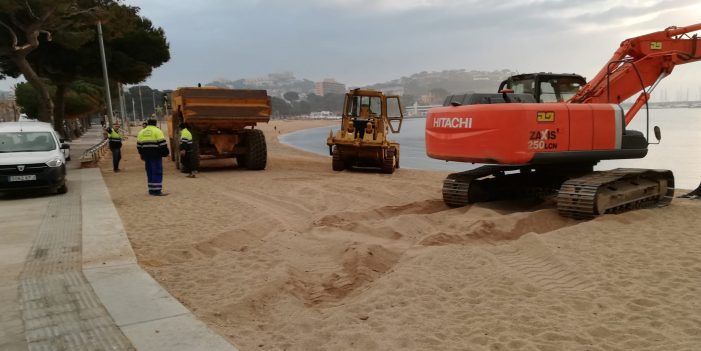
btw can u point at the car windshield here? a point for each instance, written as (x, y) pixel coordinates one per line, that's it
(26, 142)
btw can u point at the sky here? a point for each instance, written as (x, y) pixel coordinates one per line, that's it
(362, 42)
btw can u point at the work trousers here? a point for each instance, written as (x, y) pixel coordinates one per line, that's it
(154, 173)
(187, 162)
(116, 157)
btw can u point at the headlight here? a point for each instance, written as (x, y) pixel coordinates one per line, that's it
(57, 162)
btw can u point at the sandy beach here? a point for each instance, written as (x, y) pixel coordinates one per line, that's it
(298, 257)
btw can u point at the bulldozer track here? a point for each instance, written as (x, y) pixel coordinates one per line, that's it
(582, 197)
(389, 161)
(337, 163)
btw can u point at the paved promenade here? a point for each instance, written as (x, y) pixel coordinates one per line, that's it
(69, 278)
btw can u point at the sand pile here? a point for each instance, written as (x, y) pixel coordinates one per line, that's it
(298, 257)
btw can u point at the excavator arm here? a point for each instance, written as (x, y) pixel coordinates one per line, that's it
(639, 63)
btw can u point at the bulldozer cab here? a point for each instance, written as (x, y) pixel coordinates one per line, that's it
(545, 87)
(364, 106)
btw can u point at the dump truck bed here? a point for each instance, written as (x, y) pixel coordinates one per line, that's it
(219, 108)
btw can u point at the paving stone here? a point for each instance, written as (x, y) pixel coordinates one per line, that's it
(59, 307)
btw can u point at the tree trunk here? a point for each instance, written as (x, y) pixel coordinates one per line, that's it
(60, 109)
(46, 105)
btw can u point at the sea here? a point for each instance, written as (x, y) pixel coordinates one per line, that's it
(679, 149)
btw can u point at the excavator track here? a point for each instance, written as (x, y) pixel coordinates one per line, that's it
(615, 191)
(457, 186)
(493, 183)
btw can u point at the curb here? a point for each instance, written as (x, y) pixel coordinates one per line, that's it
(147, 314)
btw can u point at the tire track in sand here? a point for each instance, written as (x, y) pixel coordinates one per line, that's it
(532, 260)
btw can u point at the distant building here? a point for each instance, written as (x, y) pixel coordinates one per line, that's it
(417, 110)
(329, 86)
(430, 99)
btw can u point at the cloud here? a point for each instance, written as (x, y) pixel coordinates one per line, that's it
(366, 41)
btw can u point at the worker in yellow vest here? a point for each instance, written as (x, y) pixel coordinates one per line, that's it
(152, 146)
(115, 143)
(186, 152)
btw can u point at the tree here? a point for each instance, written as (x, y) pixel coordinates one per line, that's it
(27, 99)
(280, 107)
(439, 93)
(81, 98)
(291, 96)
(408, 99)
(133, 48)
(23, 24)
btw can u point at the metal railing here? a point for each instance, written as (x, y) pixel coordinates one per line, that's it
(93, 154)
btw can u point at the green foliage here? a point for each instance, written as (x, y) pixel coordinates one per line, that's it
(27, 99)
(77, 104)
(82, 98)
(134, 55)
(439, 93)
(291, 96)
(280, 107)
(148, 98)
(134, 47)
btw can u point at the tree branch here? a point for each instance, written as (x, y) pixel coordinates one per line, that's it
(16, 22)
(48, 34)
(31, 35)
(12, 32)
(31, 12)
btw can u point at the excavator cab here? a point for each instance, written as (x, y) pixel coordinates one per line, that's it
(545, 87)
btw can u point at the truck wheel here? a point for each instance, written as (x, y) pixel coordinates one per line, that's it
(257, 156)
(388, 162)
(337, 163)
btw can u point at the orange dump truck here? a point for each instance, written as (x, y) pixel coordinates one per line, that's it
(222, 123)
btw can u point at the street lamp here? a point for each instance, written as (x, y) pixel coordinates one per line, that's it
(133, 108)
(141, 103)
(153, 96)
(108, 96)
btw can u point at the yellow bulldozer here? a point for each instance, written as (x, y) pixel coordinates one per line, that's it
(368, 117)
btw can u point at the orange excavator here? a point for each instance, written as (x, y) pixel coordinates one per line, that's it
(544, 132)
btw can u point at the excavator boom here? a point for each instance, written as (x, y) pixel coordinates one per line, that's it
(640, 63)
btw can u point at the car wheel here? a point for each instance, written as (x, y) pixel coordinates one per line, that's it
(62, 189)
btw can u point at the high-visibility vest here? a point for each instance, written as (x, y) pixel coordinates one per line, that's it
(151, 142)
(115, 139)
(185, 139)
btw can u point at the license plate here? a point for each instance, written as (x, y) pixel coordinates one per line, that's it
(23, 178)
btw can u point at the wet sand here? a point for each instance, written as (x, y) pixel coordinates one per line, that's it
(298, 257)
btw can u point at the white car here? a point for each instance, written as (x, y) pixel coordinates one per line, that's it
(31, 157)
